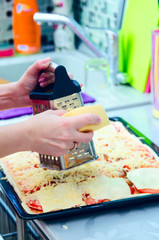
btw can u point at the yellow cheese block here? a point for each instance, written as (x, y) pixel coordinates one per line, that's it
(2, 81)
(95, 109)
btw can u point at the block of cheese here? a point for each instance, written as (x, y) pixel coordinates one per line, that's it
(95, 109)
(2, 81)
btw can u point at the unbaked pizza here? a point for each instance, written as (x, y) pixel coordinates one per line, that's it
(125, 168)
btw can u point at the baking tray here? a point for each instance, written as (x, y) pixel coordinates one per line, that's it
(16, 203)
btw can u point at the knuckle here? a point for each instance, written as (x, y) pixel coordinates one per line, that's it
(63, 147)
(65, 136)
(66, 126)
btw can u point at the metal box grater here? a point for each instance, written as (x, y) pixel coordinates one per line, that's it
(63, 94)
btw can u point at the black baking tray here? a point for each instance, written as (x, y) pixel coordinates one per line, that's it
(16, 203)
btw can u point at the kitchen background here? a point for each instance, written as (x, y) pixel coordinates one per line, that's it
(88, 13)
(131, 21)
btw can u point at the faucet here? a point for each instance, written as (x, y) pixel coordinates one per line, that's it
(112, 56)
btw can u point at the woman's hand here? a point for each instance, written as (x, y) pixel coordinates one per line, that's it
(41, 71)
(51, 134)
(16, 94)
(46, 133)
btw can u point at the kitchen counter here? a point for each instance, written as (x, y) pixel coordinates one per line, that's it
(134, 222)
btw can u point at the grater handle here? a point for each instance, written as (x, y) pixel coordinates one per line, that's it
(62, 87)
(63, 84)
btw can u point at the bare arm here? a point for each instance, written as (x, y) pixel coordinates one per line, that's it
(46, 133)
(16, 94)
(12, 139)
(9, 97)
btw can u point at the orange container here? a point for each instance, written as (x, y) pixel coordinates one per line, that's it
(26, 32)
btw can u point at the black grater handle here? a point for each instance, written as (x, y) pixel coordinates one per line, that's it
(62, 87)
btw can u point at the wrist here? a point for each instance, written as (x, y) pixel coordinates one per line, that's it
(22, 96)
(28, 134)
(12, 95)
(12, 139)
(7, 96)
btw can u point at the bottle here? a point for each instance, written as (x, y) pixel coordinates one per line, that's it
(26, 32)
(63, 38)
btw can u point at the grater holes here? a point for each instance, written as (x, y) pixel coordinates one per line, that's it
(86, 153)
(43, 107)
(64, 107)
(71, 104)
(59, 104)
(82, 151)
(75, 153)
(46, 107)
(36, 106)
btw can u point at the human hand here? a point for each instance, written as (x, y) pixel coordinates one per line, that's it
(41, 71)
(52, 134)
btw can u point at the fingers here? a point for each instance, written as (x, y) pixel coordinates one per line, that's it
(83, 137)
(85, 119)
(38, 66)
(59, 112)
(80, 121)
(46, 70)
(43, 71)
(46, 78)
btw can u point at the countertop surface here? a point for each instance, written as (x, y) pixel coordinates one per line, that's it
(133, 222)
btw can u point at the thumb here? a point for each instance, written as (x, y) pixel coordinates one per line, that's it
(40, 65)
(85, 119)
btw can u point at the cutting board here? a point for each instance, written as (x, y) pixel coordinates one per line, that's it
(140, 18)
